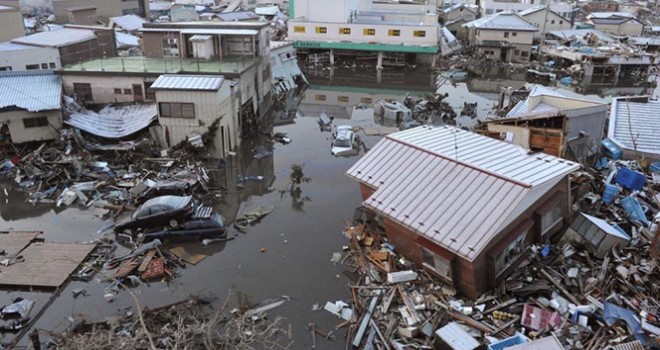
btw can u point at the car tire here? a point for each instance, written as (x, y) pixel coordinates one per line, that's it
(174, 223)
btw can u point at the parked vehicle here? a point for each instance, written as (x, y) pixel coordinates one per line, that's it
(212, 226)
(159, 212)
(344, 140)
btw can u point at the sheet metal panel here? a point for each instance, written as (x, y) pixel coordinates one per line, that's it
(644, 120)
(188, 82)
(32, 92)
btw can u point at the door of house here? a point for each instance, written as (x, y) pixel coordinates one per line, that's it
(137, 93)
(503, 54)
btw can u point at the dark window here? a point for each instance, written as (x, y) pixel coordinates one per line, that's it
(506, 34)
(84, 91)
(128, 92)
(52, 65)
(394, 32)
(514, 34)
(524, 53)
(44, 66)
(552, 22)
(35, 122)
(561, 22)
(5, 69)
(32, 66)
(117, 91)
(177, 110)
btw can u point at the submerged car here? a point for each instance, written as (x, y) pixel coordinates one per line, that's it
(212, 226)
(344, 141)
(159, 212)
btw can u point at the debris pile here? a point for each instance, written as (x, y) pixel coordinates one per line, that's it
(593, 287)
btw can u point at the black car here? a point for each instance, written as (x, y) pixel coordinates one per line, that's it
(210, 227)
(159, 212)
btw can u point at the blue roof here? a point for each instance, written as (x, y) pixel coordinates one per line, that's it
(32, 92)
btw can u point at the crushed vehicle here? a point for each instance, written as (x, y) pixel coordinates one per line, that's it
(212, 227)
(159, 212)
(344, 140)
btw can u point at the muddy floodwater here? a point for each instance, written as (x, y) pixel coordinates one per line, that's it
(289, 251)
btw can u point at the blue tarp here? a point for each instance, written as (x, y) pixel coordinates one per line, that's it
(613, 313)
(634, 210)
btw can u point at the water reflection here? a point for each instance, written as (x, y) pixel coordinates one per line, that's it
(14, 205)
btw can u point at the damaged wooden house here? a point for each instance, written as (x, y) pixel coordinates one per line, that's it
(554, 122)
(464, 206)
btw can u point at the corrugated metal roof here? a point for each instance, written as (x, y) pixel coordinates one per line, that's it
(115, 122)
(536, 104)
(457, 337)
(470, 7)
(547, 343)
(200, 38)
(188, 82)
(9, 46)
(59, 38)
(34, 92)
(455, 187)
(503, 20)
(632, 118)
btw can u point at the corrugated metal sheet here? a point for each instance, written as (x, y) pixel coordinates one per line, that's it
(456, 337)
(188, 82)
(455, 187)
(641, 120)
(129, 22)
(115, 122)
(200, 38)
(58, 38)
(34, 92)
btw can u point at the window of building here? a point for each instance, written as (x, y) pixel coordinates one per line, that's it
(37, 122)
(366, 100)
(52, 65)
(437, 263)
(394, 32)
(345, 31)
(489, 52)
(5, 69)
(128, 92)
(552, 22)
(171, 47)
(369, 31)
(498, 11)
(321, 30)
(31, 66)
(343, 99)
(511, 253)
(524, 53)
(516, 52)
(561, 22)
(299, 29)
(489, 11)
(44, 66)
(176, 110)
(514, 33)
(84, 91)
(506, 34)
(117, 91)
(419, 34)
(551, 218)
(319, 97)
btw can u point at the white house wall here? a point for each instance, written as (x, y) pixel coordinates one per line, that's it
(325, 10)
(553, 22)
(209, 106)
(20, 134)
(628, 28)
(19, 59)
(406, 37)
(103, 87)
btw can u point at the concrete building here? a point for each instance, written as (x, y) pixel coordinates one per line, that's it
(11, 23)
(616, 23)
(405, 33)
(74, 43)
(18, 57)
(284, 66)
(455, 16)
(634, 125)
(505, 36)
(83, 15)
(466, 208)
(104, 8)
(553, 122)
(545, 20)
(189, 104)
(30, 106)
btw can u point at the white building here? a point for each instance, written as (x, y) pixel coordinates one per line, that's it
(545, 20)
(11, 23)
(617, 23)
(30, 106)
(284, 65)
(505, 36)
(491, 7)
(634, 125)
(18, 57)
(189, 104)
(362, 25)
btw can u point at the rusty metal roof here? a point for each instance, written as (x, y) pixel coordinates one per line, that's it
(455, 187)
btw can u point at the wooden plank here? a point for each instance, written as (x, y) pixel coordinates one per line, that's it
(46, 265)
(147, 260)
(12, 242)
